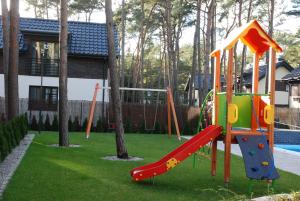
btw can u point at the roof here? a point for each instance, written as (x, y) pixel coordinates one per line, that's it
(253, 36)
(294, 75)
(86, 39)
(262, 71)
(199, 84)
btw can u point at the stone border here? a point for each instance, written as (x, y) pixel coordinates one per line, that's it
(277, 197)
(12, 161)
(115, 158)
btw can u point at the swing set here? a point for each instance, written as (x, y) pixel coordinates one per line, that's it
(170, 109)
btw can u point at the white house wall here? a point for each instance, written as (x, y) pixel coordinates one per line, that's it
(294, 102)
(281, 97)
(78, 89)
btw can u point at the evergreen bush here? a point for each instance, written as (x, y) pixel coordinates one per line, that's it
(54, 126)
(128, 126)
(70, 124)
(84, 124)
(41, 125)
(34, 125)
(11, 133)
(47, 123)
(76, 124)
(100, 125)
(4, 149)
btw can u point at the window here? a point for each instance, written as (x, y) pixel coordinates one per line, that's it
(280, 86)
(45, 58)
(43, 98)
(295, 91)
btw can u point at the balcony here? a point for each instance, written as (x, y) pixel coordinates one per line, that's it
(40, 67)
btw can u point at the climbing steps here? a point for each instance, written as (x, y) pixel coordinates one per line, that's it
(258, 158)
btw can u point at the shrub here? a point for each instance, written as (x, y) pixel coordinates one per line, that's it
(84, 124)
(34, 125)
(16, 129)
(128, 127)
(4, 149)
(100, 127)
(76, 124)
(41, 125)
(47, 123)
(54, 126)
(70, 124)
(11, 133)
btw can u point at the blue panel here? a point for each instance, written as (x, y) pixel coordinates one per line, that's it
(258, 158)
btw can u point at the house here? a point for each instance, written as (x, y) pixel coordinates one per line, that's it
(293, 81)
(39, 61)
(283, 68)
(199, 84)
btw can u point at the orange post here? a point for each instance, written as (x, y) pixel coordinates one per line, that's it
(217, 87)
(214, 157)
(271, 89)
(228, 125)
(173, 112)
(92, 109)
(255, 79)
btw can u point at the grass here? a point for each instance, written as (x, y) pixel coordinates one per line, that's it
(48, 173)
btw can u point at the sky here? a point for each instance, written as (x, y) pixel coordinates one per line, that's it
(290, 25)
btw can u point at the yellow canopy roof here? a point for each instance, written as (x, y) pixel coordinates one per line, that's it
(253, 36)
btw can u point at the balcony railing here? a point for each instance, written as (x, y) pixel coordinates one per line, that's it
(41, 67)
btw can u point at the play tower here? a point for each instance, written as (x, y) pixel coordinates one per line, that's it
(244, 115)
(243, 118)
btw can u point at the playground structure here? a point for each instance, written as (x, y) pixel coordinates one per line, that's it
(243, 118)
(170, 107)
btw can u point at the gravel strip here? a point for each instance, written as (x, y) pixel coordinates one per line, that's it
(12, 161)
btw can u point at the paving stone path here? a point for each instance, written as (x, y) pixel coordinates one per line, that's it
(12, 161)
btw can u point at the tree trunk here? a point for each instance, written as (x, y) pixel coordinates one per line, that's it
(123, 21)
(5, 28)
(244, 52)
(213, 43)
(270, 33)
(170, 46)
(142, 44)
(236, 63)
(13, 87)
(177, 54)
(207, 45)
(200, 94)
(114, 82)
(194, 61)
(63, 75)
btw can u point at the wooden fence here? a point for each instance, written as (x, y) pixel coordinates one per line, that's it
(139, 116)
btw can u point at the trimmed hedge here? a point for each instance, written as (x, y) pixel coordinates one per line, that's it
(11, 133)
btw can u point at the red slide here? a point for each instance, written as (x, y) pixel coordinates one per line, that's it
(177, 155)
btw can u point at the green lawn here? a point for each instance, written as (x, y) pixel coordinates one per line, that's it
(48, 173)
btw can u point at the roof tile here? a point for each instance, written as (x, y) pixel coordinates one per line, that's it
(85, 38)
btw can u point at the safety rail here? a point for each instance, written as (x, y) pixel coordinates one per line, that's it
(40, 67)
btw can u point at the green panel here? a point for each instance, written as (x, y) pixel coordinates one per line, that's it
(222, 111)
(244, 104)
